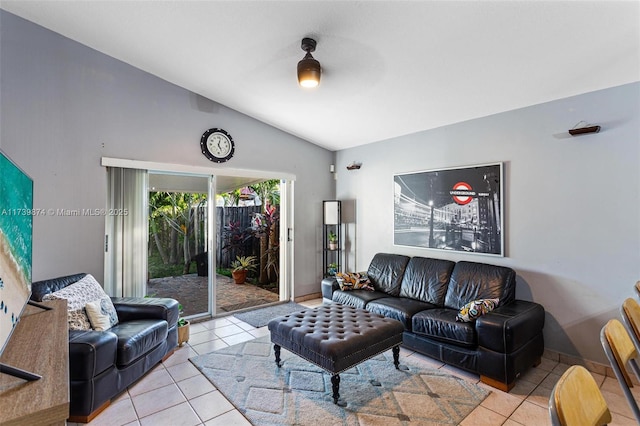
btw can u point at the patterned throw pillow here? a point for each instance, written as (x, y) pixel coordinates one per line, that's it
(353, 281)
(78, 319)
(102, 314)
(77, 296)
(475, 308)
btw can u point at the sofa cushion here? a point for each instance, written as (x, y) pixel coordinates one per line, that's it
(102, 315)
(426, 279)
(134, 308)
(476, 308)
(78, 319)
(386, 272)
(77, 296)
(137, 337)
(353, 281)
(39, 289)
(472, 281)
(398, 308)
(356, 298)
(440, 324)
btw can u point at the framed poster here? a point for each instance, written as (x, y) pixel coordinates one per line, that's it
(457, 209)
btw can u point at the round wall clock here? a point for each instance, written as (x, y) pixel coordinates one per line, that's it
(217, 145)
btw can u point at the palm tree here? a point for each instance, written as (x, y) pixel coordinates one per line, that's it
(157, 201)
(179, 211)
(231, 198)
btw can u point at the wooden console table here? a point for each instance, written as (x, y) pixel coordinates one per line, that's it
(39, 344)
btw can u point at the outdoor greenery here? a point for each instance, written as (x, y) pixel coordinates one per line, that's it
(177, 232)
(264, 228)
(174, 229)
(157, 269)
(244, 263)
(224, 271)
(181, 321)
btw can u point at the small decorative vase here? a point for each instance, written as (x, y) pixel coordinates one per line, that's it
(183, 334)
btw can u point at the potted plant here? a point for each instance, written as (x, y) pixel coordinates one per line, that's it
(183, 328)
(333, 240)
(332, 269)
(241, 266)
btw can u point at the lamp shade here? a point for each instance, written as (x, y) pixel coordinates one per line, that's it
(331, 212)
(309, 71)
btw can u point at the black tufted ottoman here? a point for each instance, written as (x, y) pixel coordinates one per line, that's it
(336, 337)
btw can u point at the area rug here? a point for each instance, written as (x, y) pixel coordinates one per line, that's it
(261, 317)
(299, 393)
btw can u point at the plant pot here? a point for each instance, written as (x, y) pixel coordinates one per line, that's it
(333, 246)
(183, 334)
(239, 277)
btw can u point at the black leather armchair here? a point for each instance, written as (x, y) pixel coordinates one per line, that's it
(104, 363)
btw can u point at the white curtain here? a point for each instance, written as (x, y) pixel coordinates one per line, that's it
(126, 232)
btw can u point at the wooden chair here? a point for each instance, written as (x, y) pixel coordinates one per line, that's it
(621, 353)
(638, 288)
(576, 400)
(630, 311)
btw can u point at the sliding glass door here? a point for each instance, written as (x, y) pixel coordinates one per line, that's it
(178, 240)
(185, 234)
(249, 250)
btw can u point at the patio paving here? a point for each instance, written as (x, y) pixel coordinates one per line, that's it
(191, 291)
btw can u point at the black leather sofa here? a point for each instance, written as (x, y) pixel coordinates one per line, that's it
(104, 363)
(426, 294)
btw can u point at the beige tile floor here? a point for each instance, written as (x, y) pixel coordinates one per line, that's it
(175, 393)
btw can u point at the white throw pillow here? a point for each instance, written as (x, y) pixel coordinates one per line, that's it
(102, 314)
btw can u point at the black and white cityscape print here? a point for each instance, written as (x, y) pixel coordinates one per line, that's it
(451, 209)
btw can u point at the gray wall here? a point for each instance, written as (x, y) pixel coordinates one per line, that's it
(63, 106)
(571, 204)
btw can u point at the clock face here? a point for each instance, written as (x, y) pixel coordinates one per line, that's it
(217, 145)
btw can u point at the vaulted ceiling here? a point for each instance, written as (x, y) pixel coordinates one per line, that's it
(389, 67)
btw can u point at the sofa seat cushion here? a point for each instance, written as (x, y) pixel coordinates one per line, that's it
(136, 338)
(440, 324)
(398, 308)
(356, 298)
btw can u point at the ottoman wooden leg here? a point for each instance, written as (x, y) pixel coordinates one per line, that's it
(335, 384)
(276, 349)
(396, 356)
(396, 359)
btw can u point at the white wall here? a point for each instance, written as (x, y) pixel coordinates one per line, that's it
(63, 106)
(571, 204)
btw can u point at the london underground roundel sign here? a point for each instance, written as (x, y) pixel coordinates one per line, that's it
(462, 193)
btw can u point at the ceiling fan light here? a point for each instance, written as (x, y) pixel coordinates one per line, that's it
(309, 72)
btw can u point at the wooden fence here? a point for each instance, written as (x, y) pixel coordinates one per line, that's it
(239, 217)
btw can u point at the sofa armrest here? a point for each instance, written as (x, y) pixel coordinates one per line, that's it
(90, 353)
(133, 308)
(329, 285)
(509, 327)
